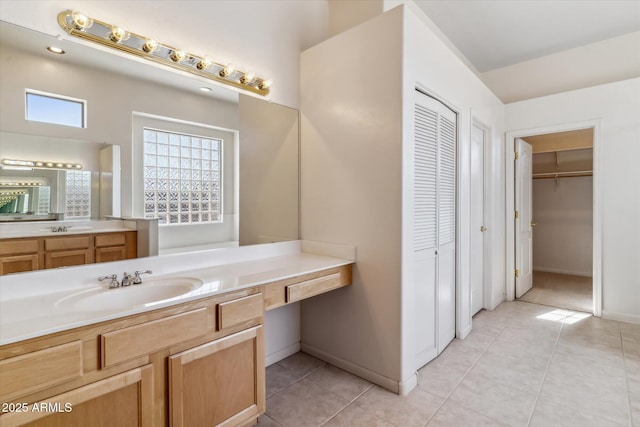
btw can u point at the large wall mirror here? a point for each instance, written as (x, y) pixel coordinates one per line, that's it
(257, 197)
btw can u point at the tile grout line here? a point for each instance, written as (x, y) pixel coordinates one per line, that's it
(546, 372)
(351, 402)
(446, 398)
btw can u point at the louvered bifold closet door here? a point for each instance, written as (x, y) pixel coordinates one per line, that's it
(434, 226)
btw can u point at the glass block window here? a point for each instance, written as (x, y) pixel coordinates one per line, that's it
(78, 189)
(44, 199)
(182, 177)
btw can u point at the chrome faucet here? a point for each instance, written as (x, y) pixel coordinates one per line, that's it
(126, 279)
(114, 280)
(136, 276)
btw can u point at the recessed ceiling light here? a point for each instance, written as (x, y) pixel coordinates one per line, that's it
(206, 89)
(54, 49)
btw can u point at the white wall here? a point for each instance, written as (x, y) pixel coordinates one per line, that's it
(617, 106)
(255, 35)
(353, 128)
(563, 235)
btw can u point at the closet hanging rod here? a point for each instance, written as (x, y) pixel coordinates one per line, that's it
(552, 175)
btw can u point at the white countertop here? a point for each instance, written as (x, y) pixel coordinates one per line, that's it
(27, 313)
(11, 230)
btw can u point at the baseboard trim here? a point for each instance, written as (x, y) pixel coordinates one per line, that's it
(621, 317)
(495, 303)
(367, 374)
(405, 387)
(561, 271)
(465, 332)
(272, 358)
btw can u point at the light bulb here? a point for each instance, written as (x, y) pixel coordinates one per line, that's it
(178, 55)
(226, 71)
(150, 46)
(265, 84)
(81, 21)
(118, 35)
(204, 63)
(247, 78)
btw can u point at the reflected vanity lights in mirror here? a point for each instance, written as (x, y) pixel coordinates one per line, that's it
(259, 168)
(59, 187)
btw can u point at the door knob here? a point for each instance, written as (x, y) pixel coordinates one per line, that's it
(533, 224)
(483, 228)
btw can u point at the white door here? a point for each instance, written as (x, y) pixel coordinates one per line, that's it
(477, 218)
(446, 228)
(523, 232)
(434, 227)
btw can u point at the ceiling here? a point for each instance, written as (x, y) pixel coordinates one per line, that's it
(523, 49)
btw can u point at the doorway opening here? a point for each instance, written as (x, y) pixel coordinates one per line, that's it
(554, 221)
(559, 220)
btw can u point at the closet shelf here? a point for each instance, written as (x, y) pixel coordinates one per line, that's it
(555, 175)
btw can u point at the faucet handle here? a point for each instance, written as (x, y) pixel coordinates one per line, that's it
(114, 280)
(136, 276)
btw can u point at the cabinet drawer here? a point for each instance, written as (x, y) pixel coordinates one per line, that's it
(18, 263)
(313, 287)
(117, 239)
(40, 369)
(61, 243)
(238, 311)
(16, 247)
(136, 341)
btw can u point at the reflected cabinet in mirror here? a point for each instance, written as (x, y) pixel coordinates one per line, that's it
(217, 168)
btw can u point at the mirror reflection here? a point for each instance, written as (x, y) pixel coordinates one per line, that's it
(254, 198)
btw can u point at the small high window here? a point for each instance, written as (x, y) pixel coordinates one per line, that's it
(57, 109)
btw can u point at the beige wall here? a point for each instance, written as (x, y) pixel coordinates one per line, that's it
(562, 237)
(268, 172)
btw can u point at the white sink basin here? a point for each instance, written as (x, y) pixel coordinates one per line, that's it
(152, 291)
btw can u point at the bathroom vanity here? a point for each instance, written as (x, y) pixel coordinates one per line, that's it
(36, 246)
(180, 349)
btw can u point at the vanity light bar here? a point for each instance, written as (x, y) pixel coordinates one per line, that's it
(37, 164)
(87, 28)
(20, 184)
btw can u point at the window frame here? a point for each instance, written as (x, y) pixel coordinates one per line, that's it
(56, 96)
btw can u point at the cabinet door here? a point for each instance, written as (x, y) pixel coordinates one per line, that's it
(221, 383)
(18, 263)
(67, 258)
(114, 253)
(122, 400)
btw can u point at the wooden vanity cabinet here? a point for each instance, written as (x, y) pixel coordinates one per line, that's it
(138, 370)
(19, 255)
(199, 363)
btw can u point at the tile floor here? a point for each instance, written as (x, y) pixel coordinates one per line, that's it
(561, 290)
(523, 365)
